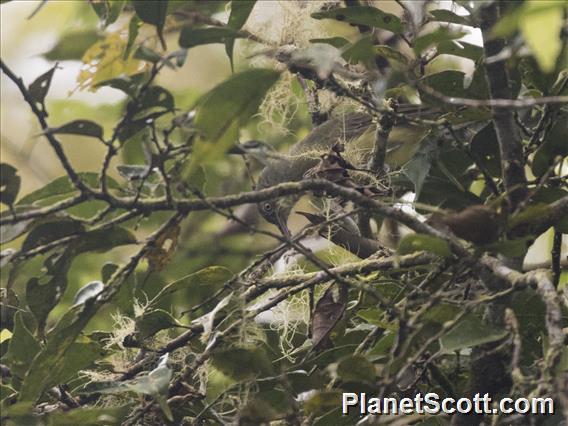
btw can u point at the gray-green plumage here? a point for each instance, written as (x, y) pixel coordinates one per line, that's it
(303, 156)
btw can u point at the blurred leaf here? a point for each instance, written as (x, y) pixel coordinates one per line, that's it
(240, 11)
(22, 348)
(545, 45)
(10, 232)
(420, 242)
(191, 36)
(94, 416)
(225, 108)
(391, 54)
(243, 362)
(146, 54)
(337, 42)
(444, 15)
(356, 368)
(133, 27)
(157, 97)
(72, 45)
(321, 402)
(448, 83)
(39, 88)
(460, 48)
(439, 35)
(554, 145)
(79, 127)
(107, 10)
(469, 332)
(153, 13)
(9, 184)
(127, 84)
(512, 248)
(133, 171)
(364, 15)
(361, 51)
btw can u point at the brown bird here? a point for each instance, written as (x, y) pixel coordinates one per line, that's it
(478, 224)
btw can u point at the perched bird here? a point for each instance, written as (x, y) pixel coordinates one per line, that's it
(356, 130)
(478, 224)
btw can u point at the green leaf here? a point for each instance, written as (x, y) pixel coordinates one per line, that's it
(554, 145)
(154, 13)
(108, 10)
(151, 322)
(133, 27)
(39, 88)
(197, 287)
(243, 362)
(88, 291)
(191, 36)
(361, 51)
(512, 248)
(364, 15)
(63, 186)
(157, 97)
(22, 349)
(240, 11)
(391, 54)
(421, 242)
(460, 48)
(469, 332)
(9, 184)
(90, 416)
(541, 27)
(337, 42)
(79, 127)
(72, 45)
(50, 231)
(444, 15)
(441, 34)
(419, 166)
(356, 368)
(485, 148)
(227, 107)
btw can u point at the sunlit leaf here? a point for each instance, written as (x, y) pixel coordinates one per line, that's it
(421, 242)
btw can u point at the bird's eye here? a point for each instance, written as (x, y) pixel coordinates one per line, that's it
(267, 207)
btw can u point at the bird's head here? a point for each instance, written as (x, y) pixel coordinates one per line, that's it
(277, 212)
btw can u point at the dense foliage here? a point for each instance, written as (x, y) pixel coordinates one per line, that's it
(146, 288)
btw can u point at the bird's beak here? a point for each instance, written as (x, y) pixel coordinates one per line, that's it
(236, 150)
(283, 226)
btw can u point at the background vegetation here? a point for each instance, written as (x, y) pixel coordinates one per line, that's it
(140, 286)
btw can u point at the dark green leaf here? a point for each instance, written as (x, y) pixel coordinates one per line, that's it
(391, 54)
(153, 321)
(439, 35)
(22, 349)
(146, 54)
(133, 27)
(460, 48)
(39, 88)
(421, 242)
(153, 12)
(126, 84)
(360, 51)
(444, 15)
(448, 83)
(419, 166)
(469, 332)
(224, 109)
(337, 42)
(197, 287)
(108, 10)
(512, 248)
(240, 11)
(356, 368)
(191, 36)
(72, 45)
(79, 127)
(50, 231)
(157, 97)
(243, 362)
(9, 184)
(97, 416)
(554, 145)
(364, 15)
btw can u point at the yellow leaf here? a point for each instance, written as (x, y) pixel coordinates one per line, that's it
(5, 334)
(104, 61)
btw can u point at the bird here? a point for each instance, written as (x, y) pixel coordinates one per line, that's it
(355, 129)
